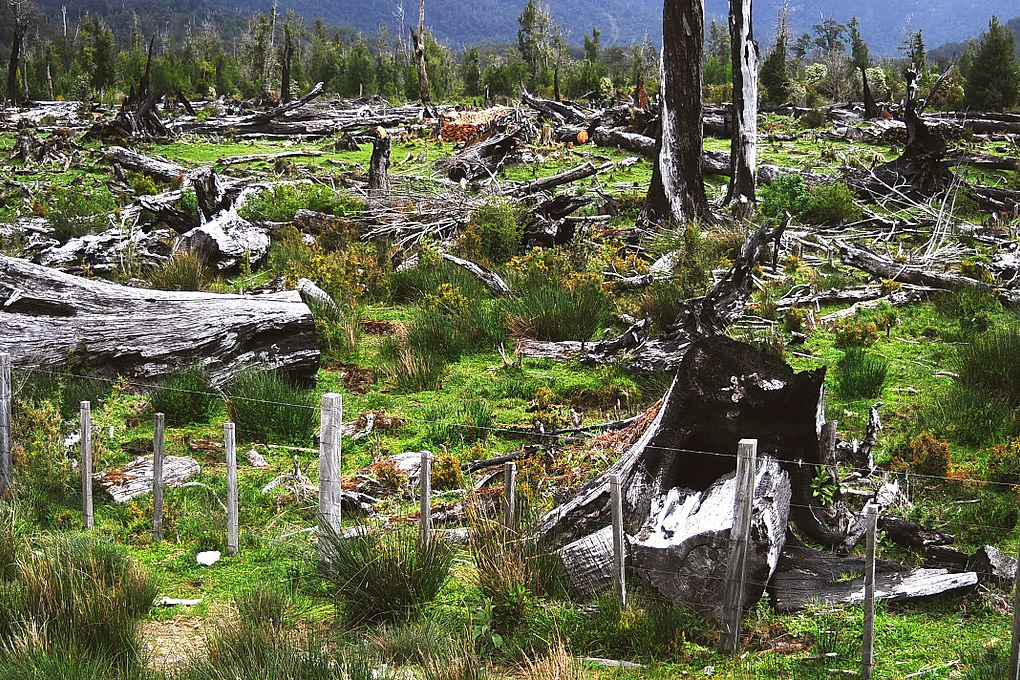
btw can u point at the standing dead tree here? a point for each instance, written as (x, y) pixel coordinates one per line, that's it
(418, 38)
(19, 11)
(743, 149)
(379, 164)
(677, 191)
(138, 114)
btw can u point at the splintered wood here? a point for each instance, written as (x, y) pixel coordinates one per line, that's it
(135, 479)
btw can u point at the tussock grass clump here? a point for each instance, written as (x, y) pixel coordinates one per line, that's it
(385, 575)
(458, 662)
(12, 541)
(184, 396)
(265, 406)
(493, 234)
(182, 271)
(85, 593)
(75, 213)
(860, 375)
(558, 310)
(413, 369)
(990, 365)
(339, 330)
(649, 628)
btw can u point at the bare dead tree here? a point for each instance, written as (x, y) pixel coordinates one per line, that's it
(288, 54)
(419, 55)
(743, 149)
(20, 12)
(677, 190)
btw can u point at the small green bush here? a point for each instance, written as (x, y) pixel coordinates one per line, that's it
(79, 211)
(925, 454)
(281, 202)
(991, 365)
(385, 574)
(185, 396)
(181, 271)
(856, 332)
(650, 628)
(492, 235)
(786, 194)
(972, 309)
(265, 406)
(1003, 463)
(832, 204)
(814, 118)
(860, 375)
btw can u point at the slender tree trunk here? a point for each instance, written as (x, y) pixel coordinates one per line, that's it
(288, 54)
(677, 190)
(419, 56)
(743, 146)
(12, 66)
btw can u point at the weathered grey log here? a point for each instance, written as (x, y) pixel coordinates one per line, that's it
(224, 240)
(805, 577)
(52, 319)
(226, 161)
(283, 109)
(991, 563)
(582, 171)
(490, 279)
(562, 112)
(484, 159)
(159, 168)
(115, 250)
(912, 535)
(884, 267)
(136, 478)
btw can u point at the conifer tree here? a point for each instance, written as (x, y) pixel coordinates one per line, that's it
(993, 73)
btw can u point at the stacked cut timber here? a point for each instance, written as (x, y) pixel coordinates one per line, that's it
(461, 127)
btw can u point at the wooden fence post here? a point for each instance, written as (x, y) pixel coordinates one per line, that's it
(868, 635)
(157, 477)
(230, 448)
(736, 570)
(6, 395)
(1014, 652)
(330, 420)
(619, 549)
(509, 499)
(85, 465)
(426, 497)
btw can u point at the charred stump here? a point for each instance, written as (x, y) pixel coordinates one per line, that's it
(379, 164)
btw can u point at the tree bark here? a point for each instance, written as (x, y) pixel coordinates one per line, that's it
(59, 321)
(288, 54)
(12, 65)
(743, 148)
(379, 164)
(677, 190)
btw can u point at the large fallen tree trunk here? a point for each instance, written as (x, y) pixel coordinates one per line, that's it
(54, 320)
(677, 478)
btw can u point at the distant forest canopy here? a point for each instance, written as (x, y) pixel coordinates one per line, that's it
(206, 48)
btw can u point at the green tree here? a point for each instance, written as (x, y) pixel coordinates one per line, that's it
(533, 38)
(993, 71)
(718, 67)
(775, 75)
(916, 53)
(471, 72)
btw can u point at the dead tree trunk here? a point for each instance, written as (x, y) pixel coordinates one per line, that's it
(288, 54)
(52, 319)
(378, 166)
(743, 148)
(870, 108)
(678, 478)
(138, 114)
(418, 38)
(12, 65)
(677, 190)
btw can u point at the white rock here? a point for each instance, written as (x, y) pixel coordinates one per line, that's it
(208, 558)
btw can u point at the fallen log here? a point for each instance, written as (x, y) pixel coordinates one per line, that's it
(485, 158)
(883, 267)
(55, 320)
(582, 171)
(159, 168)
(138, 115)
(490, 279)
(808, 577)
(135, 479)
(283, 109)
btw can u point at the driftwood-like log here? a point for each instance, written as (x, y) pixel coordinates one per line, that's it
(485, 158)
(135, 479)
(806, 577)
(272, 114)
(159, 168)
(582, 171)
(224, 240)
(490, 279)
(55, 320)
(138, 115)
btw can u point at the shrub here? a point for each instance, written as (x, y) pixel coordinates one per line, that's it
(448, 323)
(88, 594)
(972, 309)
(385, 574)
(182, 271)
(339, 330)
(79, 211)
(814, 118)
(991, 365)
(856, 332)
(1004, 462)
(265, 406)
(832, 204)
(492, 235)
(184, 396)
(786, 194)
(860, 375)
(925, 454)
(447, 473)
(280, 203)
